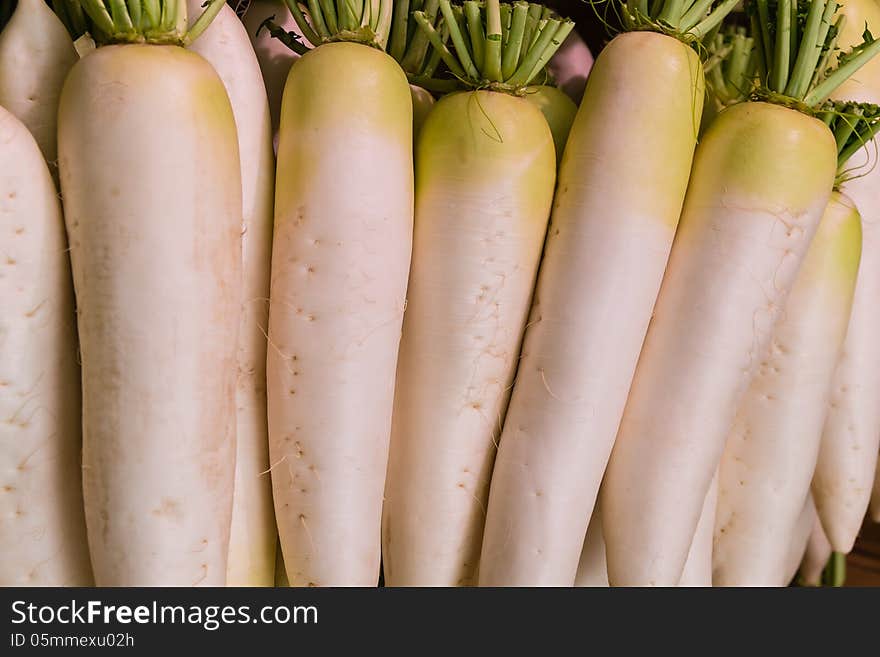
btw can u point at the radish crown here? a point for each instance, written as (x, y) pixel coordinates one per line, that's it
(324, 21)
(503, 47)
(402, 39)
(687, 20)
(795, 42)
(135, 21)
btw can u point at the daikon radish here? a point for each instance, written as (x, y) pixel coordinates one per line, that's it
(340, 261)
(697, 569)
(486, 168)
(847, 457)
(799, 538)
(604, 258)
(592, 569)
(253, 536)
(36, 53)
(151, 183)
(761, 179)
(772, 449)
(874, 510)
(42, 528)
(403, 43)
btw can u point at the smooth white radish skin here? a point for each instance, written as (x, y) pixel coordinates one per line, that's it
(152, 201)
(253, 535)
(42, 528)
(343, 236)
(697, 569)
(762, 177)
(36, 53)
(797, 547)
(592, 570)
(486, 170)
(816, 557)
(612, 226)
(571, 65)
(275, 58)
(771, 451)
(847, 457)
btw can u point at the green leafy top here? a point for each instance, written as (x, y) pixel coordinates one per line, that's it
(795, 43)
(495, 45)
(687, 20)
(368, 22)
(134, 21)
(731, 65)
(854, 126)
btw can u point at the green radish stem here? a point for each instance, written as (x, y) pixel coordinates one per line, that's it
(854, 126)
(687, 20)
(381, 24)
(795, 54)
(481, 56)
(139, 21)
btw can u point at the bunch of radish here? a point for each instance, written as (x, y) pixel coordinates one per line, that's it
(334, 290)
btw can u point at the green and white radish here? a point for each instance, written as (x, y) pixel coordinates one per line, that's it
(404, 42)
(151, 183)
(253, 536)
(42, 529)
(771, 451)
(761, 179)
(274, 56)
(846, 464)
(36, 53)
(340, 261)
(485, 171)
(604, 258)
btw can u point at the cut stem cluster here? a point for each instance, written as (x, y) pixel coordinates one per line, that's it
(854, 126)
(730, 68)
(135, 21)
(795, 42)
(687, 20)
(322, 21)
(495, 45)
